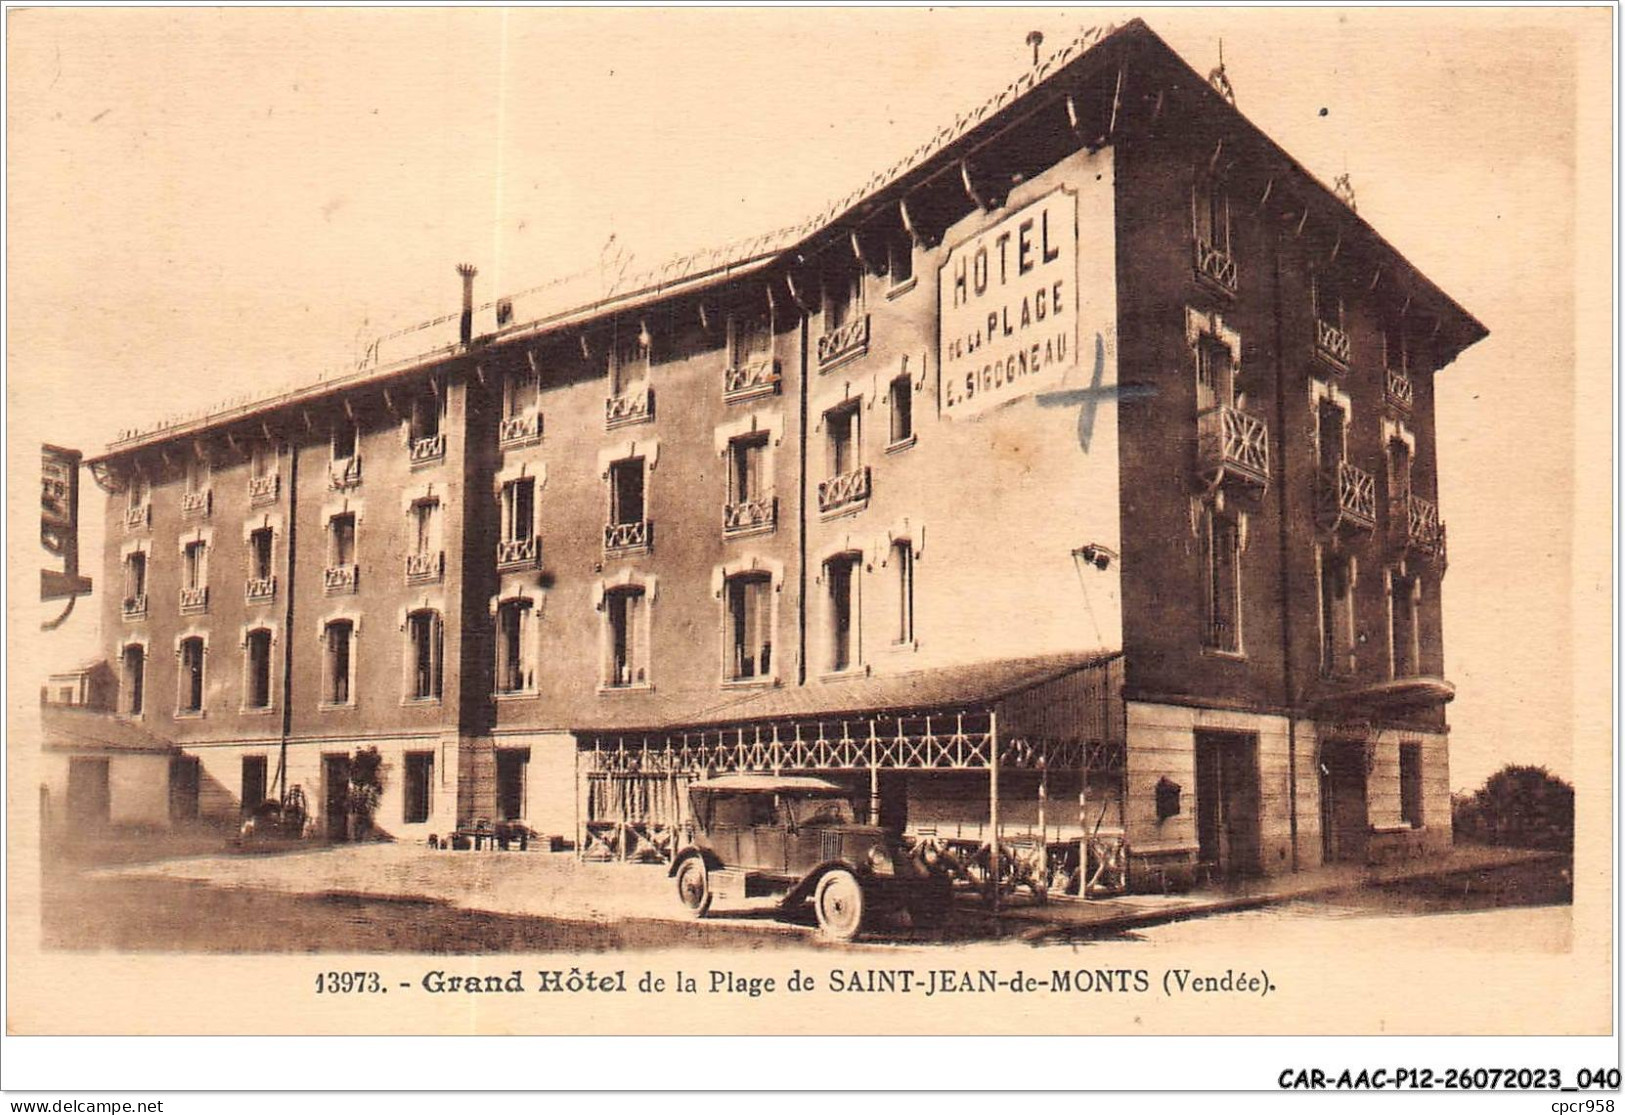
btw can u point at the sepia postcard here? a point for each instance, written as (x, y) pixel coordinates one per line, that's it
(779, 521)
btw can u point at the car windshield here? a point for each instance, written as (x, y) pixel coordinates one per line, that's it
(821, 811)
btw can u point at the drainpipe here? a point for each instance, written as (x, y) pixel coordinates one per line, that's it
(801, 512)
(287, 623)
(1288, 685)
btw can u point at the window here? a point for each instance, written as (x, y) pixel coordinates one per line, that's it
(344, 441)
(1399, 475)
(750, 630)
(626, 490)
(901, 396)
(519, 509)
(197, 474)
(624, 610)
(254, 782)
(520, 393)
(195, 564)
(338, 639)
(257, 692)
(1221, 581)
(842, 429)
(902, 561)
(1395, 355)
(750, 337)
(426, 527)
(1330, 436)
(512, 765)
(1328, 302)
(259, 554)
(513, 667)
(747, 457)
(1410, 784)
(425, 638)
(1336, 614)
(140, 492)
(419, 795)
(135, 580)
(1210, 212)
(900, 257)
(427, 412)
(1215, 374)
(843, 297)
(841, 575)
(341, 540)
(135, 678)
(1403, 593)
(262, 461)
(191, 676)
(628, 362)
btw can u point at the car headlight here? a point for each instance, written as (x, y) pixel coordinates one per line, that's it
(880, 860)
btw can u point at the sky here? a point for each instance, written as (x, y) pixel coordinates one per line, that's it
(205, 202)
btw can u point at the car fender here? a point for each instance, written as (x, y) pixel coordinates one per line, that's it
(712, 863)
(803, 890)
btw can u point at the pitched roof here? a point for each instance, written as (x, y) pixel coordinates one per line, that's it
(76, 729)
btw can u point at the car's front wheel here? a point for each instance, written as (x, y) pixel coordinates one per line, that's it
(694, 886)
(839, 902)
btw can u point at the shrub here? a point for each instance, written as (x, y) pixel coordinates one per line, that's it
(1518, 807)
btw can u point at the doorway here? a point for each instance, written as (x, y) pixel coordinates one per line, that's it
(336, 796)
(184, 784)
(90, 796)
(1227, 807)
(1343, 818)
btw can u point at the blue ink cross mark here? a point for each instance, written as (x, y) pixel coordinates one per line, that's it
(1089, 398)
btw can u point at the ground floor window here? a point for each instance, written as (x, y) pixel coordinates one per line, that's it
(512, 765)
(419, 787)
(253, 782)
(1410, 784)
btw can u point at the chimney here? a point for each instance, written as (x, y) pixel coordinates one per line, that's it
(466, 330)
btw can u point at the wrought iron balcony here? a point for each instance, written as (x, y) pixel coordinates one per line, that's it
(340, 579)
(135, 606)
(1232, 445)
(636, 405)
(750, 380)
(138, 517)
(851, 339)
(1332, 343)
(264, 489)
(1346, 497)
(629, 538)
(429, 450)
(520, 429)
(848, 491)
(260, 589)
(750, 516)
(196, 505)
(344, 473)
(421, 568)
(515, 552)
(1414, 524)
(1398, 389)
(1214, 264)
(195, 599)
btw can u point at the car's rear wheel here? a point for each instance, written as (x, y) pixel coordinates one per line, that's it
(694, 886)
(839, 902)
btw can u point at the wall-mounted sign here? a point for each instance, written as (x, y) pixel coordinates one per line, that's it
(1008, 300)
(59, 522)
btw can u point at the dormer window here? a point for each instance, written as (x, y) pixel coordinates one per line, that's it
(426, 438)
(1210, 224)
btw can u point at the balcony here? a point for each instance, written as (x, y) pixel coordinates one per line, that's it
(1232, 445)
(629, 538)
(843, 342)
(194, 600)
(518, 553)
(138, 517)
(259, 590)
(344, 473)
(1413, 524)
(750, 380)
(636, 405)
(197, 505)
(426, 567)
(264, 489)
(1346, 498)
(847, 492)
(338, 580)
(429, 450)
(750, 516)
(135, 607)
(520, 429)
(1332, 343)
(1214, 265)
(1398, 390)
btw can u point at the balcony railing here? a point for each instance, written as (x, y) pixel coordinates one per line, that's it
(344, 473)
(339, 579)
(1215, 264)
(515, 552)
(1398, 389)
(851, 339)
(137, 517)
(264, 489)
(1232, 444)
(195, 599)
(1332, 342)
(846, 491)
(636, 405)
(1415, 524)
(428, 450)
(520, 429)
(135, 606)
(421, 568)
(629, 538)
(260, 589)
(751, 379)
(1346, 497)
(197, 504)
(750, 516)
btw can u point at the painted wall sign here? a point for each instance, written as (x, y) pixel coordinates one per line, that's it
(1008, 299)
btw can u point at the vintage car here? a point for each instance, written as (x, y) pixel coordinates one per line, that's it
(757, 835)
